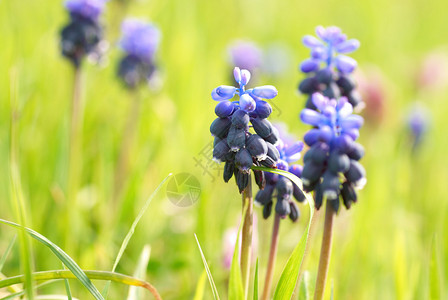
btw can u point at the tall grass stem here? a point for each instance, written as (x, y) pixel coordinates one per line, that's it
(325, 253)
(246, 239)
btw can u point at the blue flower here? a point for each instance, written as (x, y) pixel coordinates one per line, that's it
(329, 49)
(248, 99)
(140, 39)
(418, 121)
(89, 9)
(288, 151)
(333, 155)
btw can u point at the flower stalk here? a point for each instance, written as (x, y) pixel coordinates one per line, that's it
(325, 253)
(246, 238)
(272, 257)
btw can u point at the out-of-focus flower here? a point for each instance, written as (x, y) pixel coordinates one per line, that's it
(433, 72)
(372, 87)
(234, 144)
(288, 151)
(139, 41)
(89, 9)
(333, 153)
(229, 240)
(328, 69)
(245, 55)
(83, 34)
(418, 121)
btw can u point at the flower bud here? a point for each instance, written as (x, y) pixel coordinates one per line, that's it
(220, 127)
(324, 76)
(355, 173)
(236, 139)
(311, 173)
(338, 162)
(257, 147)
(345, 64)
(309, 85)
(259, 179)
(273, 152)
(282, 208)
(265, 91)
(294, 214)
(243, 160)
(220, 150)
(298, 193)
(348, 194)
(224, 109)
(264, 196)
(229, 168)
(240, 119)
(356, 152)
(346, 83)
(247, 103)
(262, 127)
(245, 77)
(309, 65)
(267, 209)
(242, 180)
(330, 185)
(263, 109)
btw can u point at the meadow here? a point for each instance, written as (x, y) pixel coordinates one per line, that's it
(392, 244)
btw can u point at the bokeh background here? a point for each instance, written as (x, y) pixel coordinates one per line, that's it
(382, 246)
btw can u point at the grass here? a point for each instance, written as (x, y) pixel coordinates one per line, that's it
(383, 247)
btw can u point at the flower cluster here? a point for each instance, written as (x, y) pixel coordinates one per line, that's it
(234, 144)
(288, 152)
(139, 41)
(331, 164)
(329, 69)
(82, 35)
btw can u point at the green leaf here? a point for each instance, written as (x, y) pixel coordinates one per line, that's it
(131, 231)
(236, 290)
(434, 272)
(94, 275)
(199, 294)
(288, 279)
(68, 291)
(18, 201)
(6, 254)
(140, 272)
(63, 257)
(305, 287)
(209, 274)
(256, 281)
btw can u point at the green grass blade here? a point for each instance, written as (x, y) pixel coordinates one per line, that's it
(288, 279)
(19, 294)
(199, 293)
(434, 272)
(305, 287)
(63, 257)
(140, 272)
(6, 254)
(209, 274)
(68, 291)
(131, 231)
(94, 275)
(236, 290)
(256, 281)
(18, 201)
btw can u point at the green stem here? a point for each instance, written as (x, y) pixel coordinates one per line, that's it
(272, 257)
(325, 253)
(99, 275)
(121, 170)
(74, 166)
(246, 239)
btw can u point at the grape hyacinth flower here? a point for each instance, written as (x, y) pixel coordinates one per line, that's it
(331, 166)
(288, 151)
(418, 120)
(328, 69)
(234, 144)
(83, 33)
(139, 41)
(245, 55)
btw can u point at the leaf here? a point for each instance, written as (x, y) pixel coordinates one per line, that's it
(256, 281)
(68, 291)
(434, 272)
(199, 294)
(288, 279)
(305, 286)
(6, 254)
(131, 231)
(140, 272)
(63, 257)
(18, 201)
(209, 274)
(94, 275)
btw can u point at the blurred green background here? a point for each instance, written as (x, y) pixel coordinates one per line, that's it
(382, 246)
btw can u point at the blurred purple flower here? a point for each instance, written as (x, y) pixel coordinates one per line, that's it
(329, 49)
(140, 39)
(245, 55)
(433, 72)
(418, 121)
(89, 9)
